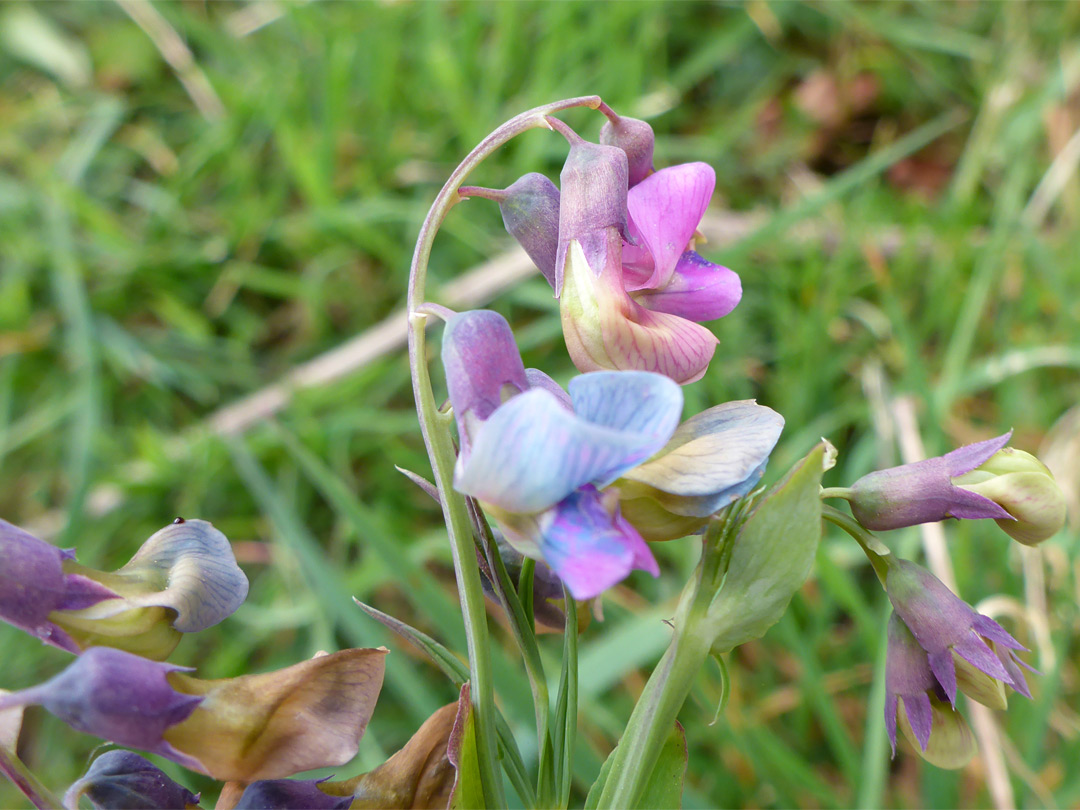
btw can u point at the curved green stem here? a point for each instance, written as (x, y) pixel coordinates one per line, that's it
(440, 448)
(876, 551)
(836, 492)
(669, 685)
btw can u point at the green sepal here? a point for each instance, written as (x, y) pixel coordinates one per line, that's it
(771, 557)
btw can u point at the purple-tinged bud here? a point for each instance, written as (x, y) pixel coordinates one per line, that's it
(1025, 488)
(925, 492)
(913, 700)
(594, 186)
(117, 696)
(956, 639)
(289, 794)
(33, 584)
(122, 780)
(530, 214)
(268, 726)
(636, 138)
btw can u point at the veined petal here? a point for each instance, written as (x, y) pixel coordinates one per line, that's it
(666, 208)
(187, 567)
(605, 329)
(590, 546)
(698, 290)
(531, 453)
(719, 454)
(640, 402)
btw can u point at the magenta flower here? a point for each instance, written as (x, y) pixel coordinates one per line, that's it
(617, 245)
(631, 297)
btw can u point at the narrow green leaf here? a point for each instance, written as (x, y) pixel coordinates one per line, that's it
(772, 556)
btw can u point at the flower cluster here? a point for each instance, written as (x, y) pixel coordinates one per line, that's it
(580, 479)
(554, 468)
(616, 243)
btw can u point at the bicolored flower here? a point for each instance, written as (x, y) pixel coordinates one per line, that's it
(712, 460)
(981, 480)
(964, 650)
(183, 579)
(631, 297)
(1025, 488)
(542, 462)
(532, 455)
(617, 245)
(122, 780)
(268, 726)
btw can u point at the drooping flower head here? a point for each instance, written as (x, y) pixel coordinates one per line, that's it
(915, 701)
(632, 289)
(961, 645)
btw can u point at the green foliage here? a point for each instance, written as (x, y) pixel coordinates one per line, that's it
(156, 265)
(771, 556)
(665, 785)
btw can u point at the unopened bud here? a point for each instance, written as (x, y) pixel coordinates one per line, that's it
(530, 213)
(1024, 487)
(635, 137)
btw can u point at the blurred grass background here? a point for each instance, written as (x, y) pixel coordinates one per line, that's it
(179, 228)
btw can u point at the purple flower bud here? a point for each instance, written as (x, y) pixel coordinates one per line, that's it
(635, 137)
(117, 696)
(530, 213)
(594, 188)
(909, 683)
(925, 492)
(289, 794)
(951, 633)
(122, 780)
(33, 585)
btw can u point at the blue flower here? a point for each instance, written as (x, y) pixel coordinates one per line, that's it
(542, 462)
